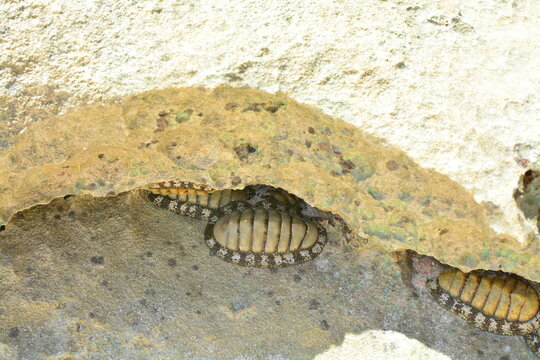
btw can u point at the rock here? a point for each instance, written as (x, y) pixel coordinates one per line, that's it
(103, 150)
(158, 293)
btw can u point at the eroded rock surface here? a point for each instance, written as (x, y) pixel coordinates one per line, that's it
(229, 138)
(95, 278)
(527, 195)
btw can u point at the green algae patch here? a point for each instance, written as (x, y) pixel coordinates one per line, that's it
(376, 194)
(231, 138)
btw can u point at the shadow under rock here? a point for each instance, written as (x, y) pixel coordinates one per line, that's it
(118, 277)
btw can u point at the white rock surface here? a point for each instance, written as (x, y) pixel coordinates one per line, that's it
(381, 345)
(455, 84)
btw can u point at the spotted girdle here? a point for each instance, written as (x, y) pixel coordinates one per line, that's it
(196, 204)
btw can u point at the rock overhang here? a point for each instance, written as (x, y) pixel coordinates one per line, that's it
(230, 138)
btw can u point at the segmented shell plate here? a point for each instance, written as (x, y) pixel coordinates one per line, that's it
(263, 236)
(493, 301)
(195, 203)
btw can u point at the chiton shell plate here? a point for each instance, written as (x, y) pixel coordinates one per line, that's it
(264, 236)
(493, 301)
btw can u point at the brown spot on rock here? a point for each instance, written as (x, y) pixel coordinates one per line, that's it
(325, 147)
(233, 77)
(392, 165)
(314, 304)
(273, 107)
(347, 166)
(255, 107)
(97, 260)
(13, 332)
(243, 151)
(171, 262)
(236, 180)
(324, 325)
(243, 67)
(231, 106)
(161, 124)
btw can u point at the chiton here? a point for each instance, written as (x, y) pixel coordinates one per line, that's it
(200, 201)
(193, 200)
(493, 301)
(263, 236)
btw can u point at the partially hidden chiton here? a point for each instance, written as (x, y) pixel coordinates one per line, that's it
(493, 301)
(193, 200)
(264, 236)
(200, 201)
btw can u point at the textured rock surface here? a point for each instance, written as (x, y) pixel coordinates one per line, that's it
(228, 137)
(528, 195)
(100, 278)
(454, 84)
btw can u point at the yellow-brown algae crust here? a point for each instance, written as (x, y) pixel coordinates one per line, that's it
(383, 195)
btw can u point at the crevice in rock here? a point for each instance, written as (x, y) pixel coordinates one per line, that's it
(203, 196)
(527, 195)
